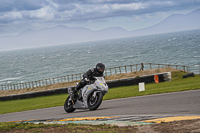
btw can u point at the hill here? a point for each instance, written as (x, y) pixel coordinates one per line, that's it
(66, 35)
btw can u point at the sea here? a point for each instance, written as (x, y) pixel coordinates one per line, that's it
(177, 48)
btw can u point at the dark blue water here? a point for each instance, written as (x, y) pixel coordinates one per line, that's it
(180, 48)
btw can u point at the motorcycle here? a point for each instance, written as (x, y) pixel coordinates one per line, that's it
(89, 97)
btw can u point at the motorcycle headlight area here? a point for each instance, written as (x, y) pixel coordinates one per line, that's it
(102, 86)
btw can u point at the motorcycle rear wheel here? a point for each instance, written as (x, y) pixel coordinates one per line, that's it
(94, 102)
(68, 106)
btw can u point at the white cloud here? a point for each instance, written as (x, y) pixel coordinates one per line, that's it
(43, 13)
(53, 4)
(129, 6)
(78, 10)
(48, 12)
(10, 17)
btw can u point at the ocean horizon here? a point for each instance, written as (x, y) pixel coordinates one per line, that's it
(178, 48)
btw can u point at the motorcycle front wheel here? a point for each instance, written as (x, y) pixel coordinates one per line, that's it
(68, 106)
(94, 102)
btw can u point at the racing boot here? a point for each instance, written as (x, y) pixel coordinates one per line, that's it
(75, 92)
(74, 95)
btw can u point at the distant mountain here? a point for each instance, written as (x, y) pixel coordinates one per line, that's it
(65, 35)
(59, 35)
(175, 22)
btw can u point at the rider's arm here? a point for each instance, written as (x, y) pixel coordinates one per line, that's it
(88, 74)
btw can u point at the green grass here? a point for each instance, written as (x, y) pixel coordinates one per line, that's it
(26, 126)
(69, 128)
(177, 84)
(32, 103)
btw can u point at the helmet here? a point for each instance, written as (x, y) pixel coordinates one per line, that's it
(100, 67)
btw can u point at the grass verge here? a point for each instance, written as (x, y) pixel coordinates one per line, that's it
(177, 84)
(67, 128)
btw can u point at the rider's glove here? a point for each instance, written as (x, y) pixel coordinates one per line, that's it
(86, 79)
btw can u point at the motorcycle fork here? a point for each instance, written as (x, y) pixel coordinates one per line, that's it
(94, 94)
(70, 94)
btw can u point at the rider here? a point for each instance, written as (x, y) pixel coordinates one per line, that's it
(94, 72)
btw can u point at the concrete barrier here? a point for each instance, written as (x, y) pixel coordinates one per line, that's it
(34, 94)
(112, 83)
(135, 80)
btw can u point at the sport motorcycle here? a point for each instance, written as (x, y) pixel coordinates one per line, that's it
(89, 97)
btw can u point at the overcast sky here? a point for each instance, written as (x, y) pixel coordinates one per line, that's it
(19, 15)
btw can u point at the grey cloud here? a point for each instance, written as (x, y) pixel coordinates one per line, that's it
(83, 10)
(19, 5)
(124, 8)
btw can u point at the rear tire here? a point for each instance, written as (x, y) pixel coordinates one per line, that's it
(94, 103)
(68, 106)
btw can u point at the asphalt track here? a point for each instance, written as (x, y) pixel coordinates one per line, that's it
(185, 103)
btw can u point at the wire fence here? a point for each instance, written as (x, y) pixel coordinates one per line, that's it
(108, 72)
(195, 69)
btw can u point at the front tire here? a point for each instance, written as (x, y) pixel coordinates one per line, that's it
(94, 102)
(68, 106)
